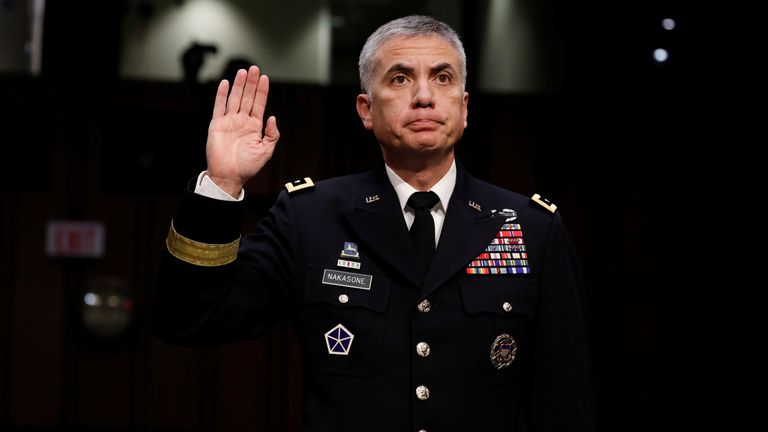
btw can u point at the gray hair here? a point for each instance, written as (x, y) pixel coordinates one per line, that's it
(409, 26)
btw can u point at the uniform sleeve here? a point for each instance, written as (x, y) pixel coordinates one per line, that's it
(215, 304)
(561, 397)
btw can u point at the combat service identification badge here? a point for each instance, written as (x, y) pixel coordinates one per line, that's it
(503, 351)
(350, 257)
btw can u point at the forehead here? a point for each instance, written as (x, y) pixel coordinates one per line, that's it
(416, 49)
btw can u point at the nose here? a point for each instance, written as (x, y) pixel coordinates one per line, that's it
(423, 97)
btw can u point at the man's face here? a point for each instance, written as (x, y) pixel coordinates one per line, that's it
(417, 105)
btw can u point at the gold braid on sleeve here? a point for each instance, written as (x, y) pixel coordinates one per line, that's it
(200, 254)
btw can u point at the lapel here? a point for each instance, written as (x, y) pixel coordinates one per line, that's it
(466, 232)
(379, 224)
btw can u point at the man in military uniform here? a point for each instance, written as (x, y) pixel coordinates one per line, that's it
(423, 298)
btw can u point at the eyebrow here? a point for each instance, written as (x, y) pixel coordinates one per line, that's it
(441, 67)
(408, 70)
(399, 67)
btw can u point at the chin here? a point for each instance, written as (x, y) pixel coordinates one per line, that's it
(432, 150)
(427, 143)
(422, 147)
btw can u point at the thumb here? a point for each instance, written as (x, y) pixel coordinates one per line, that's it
(271, 134)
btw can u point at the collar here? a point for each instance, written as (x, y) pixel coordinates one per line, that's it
(443, 188)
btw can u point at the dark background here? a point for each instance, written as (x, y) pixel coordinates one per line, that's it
(655, 169)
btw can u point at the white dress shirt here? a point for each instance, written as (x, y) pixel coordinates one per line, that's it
(443, 189)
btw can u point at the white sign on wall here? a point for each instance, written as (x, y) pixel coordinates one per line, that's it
(83, 239)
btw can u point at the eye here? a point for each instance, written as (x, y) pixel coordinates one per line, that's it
(443, 78)
(398, 79)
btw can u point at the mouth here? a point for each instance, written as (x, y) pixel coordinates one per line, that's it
(423, 125)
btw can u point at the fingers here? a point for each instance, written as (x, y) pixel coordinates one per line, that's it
(249, 95)
(260, 102)
(220, 104)
(233, 104)
(251, 83)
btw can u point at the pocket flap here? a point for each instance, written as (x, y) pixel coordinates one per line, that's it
(503, 296)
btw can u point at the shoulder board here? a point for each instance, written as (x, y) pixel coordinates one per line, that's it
(298, 185)
(547, 204)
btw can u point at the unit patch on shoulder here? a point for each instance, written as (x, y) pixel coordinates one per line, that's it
(547, 204)
(301, 184)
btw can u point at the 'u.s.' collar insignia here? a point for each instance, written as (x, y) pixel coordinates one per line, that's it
(301, 184)
(503, 351)
(547, 204)
(339, 340)
(474, 205)
(372, 198)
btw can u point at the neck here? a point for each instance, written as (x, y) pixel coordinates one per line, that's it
(422, 174)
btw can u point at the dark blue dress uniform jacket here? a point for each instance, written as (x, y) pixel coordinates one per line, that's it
(279, 272)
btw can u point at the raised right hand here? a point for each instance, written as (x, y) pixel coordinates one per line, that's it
(238, 145)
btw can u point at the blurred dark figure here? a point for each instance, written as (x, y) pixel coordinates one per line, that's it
(193, 58)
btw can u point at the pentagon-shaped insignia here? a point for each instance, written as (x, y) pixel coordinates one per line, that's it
(339, 340)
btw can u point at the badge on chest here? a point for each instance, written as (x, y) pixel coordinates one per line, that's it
(349, 259)
(505, 254)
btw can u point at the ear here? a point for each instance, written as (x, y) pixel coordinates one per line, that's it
(464, 108)
(364, 110)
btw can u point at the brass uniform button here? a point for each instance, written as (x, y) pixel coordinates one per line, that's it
(507, 306)
(425, 306)
(343, 298)
(422, 349)
(422, 392)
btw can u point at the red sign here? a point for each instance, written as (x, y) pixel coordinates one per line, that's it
(75, 239)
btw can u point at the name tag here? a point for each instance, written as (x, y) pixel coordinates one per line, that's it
(345, 279)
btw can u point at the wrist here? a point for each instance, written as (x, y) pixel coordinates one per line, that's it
(232, 188)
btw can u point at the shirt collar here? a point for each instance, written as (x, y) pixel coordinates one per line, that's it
(443, 188)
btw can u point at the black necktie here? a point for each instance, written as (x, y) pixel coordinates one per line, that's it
(423, 228)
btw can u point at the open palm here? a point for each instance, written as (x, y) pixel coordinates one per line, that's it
(238, 144)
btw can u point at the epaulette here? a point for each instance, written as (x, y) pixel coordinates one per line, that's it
(299, 185)
(547, 204)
